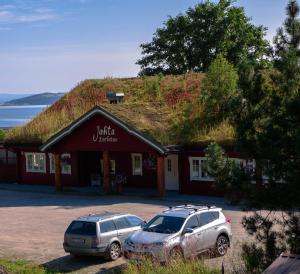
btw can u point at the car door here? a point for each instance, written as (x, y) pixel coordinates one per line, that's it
(192, 241)
(124, 228)
(80, 233)
(206, 221)
(108, 231)
(212, 228)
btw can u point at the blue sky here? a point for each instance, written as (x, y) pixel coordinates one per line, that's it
(51, 45)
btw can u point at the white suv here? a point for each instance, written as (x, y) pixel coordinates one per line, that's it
(186, 230)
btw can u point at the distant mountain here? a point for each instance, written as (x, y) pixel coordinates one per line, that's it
(46, 98)
(5, 97)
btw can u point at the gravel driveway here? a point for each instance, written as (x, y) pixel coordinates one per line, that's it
(32, 225)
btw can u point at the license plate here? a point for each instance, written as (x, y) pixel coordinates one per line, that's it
(78, 241)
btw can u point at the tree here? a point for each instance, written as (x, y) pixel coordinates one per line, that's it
(190, 41)
(219, 85)
(2, 134)
(288, 36)
(267, 128)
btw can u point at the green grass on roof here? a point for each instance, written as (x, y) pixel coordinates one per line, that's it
(157, 106)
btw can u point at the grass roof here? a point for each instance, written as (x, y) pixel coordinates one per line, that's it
(165, 108)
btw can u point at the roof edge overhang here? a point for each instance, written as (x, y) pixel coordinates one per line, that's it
(99, 110)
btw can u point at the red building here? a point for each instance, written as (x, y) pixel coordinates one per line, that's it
(98, 146)
(75, 142)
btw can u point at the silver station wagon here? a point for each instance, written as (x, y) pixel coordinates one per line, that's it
(184, 231)
(100, 234)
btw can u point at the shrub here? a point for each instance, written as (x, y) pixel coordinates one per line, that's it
(2, 134)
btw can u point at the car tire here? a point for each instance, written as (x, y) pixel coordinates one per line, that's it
(175, 255)
(114, 251)
(222, 245)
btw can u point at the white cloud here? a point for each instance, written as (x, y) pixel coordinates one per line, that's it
(10, 14)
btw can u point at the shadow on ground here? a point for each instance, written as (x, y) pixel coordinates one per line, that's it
(70, 201)
(69, 263)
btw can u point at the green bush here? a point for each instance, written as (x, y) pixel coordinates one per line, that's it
(2, 134)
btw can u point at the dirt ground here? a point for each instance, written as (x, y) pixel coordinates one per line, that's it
(32, 226)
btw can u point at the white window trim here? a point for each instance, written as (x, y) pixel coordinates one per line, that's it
(52, 167)
(62, 171)
(200, 178)
(112, 164)
(32, 170)
(135, 171)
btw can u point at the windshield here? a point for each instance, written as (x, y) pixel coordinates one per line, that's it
(164, 224)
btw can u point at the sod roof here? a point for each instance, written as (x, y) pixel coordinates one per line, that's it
(165, 108)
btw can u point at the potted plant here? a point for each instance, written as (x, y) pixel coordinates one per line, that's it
(120, 180)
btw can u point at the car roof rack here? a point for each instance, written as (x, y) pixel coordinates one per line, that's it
(192, 208)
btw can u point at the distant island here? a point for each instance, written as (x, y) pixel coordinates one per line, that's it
(47, 98)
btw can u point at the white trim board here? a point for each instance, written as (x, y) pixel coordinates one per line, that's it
(98, 110)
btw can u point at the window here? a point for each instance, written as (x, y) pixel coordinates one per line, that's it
(52, 163)
(112, 167)
(192, 222)
(164, 224)
(137, 164)
(122, 223)
(195, 168)
(82, 228)
(134, 221)
(197, 171)
(65, 162)
(107, 226)
(35, 162)
(3, 156)
(214, 215)
(169, 165)
(208, 217)
(11, 157)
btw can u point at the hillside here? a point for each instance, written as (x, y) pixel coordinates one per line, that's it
(5, 97)
(46, 98)
(165, 108)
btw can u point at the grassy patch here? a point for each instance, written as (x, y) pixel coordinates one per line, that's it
(23, 267)
(182, 267)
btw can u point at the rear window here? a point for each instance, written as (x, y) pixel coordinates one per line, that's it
(82, 228)
(208, 217)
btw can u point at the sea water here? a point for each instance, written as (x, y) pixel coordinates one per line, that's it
(11, 116)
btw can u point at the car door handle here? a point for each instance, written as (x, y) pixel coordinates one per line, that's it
(200, 233)
(216, 227)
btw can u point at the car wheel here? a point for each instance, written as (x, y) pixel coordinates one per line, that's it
(114, 251)
(175, 255)
(222, 245)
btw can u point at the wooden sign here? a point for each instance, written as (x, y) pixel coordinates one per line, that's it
(105, 134)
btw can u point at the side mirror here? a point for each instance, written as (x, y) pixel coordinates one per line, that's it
(187, 231)
(143, 224)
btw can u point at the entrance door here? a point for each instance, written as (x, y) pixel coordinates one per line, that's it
(171, 172)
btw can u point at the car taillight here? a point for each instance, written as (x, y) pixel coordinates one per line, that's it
(227, 220)
(95, 242)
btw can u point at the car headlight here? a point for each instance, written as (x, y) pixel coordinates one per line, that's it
(128, 242)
